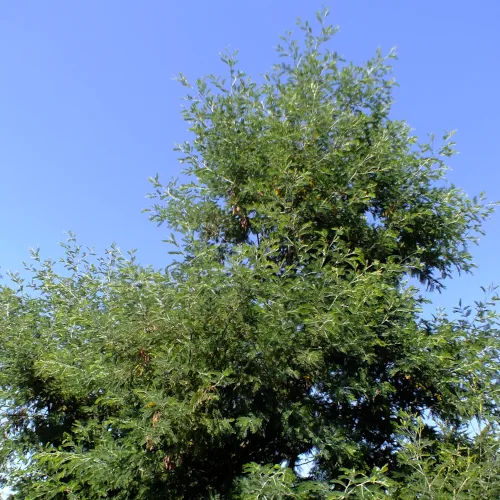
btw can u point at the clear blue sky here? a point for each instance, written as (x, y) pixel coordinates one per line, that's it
(89, 110)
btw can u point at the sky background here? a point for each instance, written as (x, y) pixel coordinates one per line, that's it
(89, 109)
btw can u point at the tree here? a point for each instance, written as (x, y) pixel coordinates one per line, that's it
(287, 331)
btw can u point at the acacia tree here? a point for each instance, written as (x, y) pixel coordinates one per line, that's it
(287, 330)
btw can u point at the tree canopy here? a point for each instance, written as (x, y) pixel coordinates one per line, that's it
(288, 329)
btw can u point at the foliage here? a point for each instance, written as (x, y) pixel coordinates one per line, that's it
(286, 329)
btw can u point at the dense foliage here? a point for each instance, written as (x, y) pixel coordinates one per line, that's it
(286, 333)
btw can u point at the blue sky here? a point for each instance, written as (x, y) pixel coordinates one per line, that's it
(89, 109)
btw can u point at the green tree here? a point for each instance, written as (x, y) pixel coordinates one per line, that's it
(287, 330)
